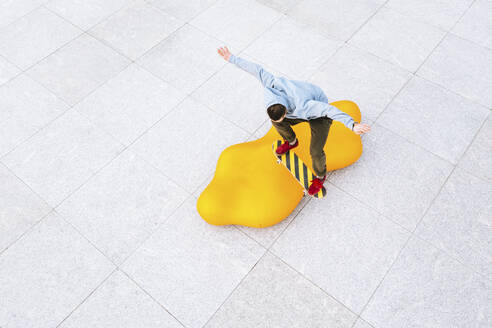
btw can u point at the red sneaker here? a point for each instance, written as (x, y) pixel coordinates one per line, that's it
(285, 147)
(316, 185)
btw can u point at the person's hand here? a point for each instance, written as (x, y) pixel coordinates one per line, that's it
(361, 128)
(224, 53)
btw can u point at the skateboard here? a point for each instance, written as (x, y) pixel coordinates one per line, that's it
(297, 168)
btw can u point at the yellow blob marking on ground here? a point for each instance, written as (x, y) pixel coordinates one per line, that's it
(250, 188)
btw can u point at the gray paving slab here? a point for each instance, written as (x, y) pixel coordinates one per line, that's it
(361, 77)
(62, 156)
(86, 14)
(274, 295)
(463, 67)
(275, 49)
(362, 324)
(336, 19)
(236, 22)
(442, 14)
(10, 11)
(78, 68)
(267, 236)
(342, 246)
(478, 158)
(460, 221)
(280, 5)
(47, 273)
(119, 302)
(190, 267)
(393, 176)
(184, 10)
(400, 39)
(35, 36)
(438, 120)
(130, 103)
(104, 210)
(187, 143)
(136, 29)
(476, 24)
(20, 208)
(426, 288)
(7, 71)
(26, 107)
(185, 59)
(243, 105)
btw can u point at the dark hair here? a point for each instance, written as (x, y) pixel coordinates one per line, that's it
(276, 111)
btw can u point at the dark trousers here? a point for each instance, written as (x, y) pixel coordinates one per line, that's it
(319, 132)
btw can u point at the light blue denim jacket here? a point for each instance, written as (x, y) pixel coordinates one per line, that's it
(301, 99)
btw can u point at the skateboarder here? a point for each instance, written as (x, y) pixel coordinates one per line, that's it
(290, 102)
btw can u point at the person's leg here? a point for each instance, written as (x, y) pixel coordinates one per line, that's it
(319, 133)
(285, 130)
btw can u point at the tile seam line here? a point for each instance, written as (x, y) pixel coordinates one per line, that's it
(382, 279)
(21, 17)
(413, 234)
(131, 4)
(115, 265)
(418, 19)
(235, 288)
(259, 34)
(142, 157)
(422, 147)
(69, 108)
(444, 37)
(452, 171)
(482, 277)
(76, 229)
(471, 41)
(410, 232)
(366, 21)
(340, 303)
(23, 141)
(87, 297)
(154, 231)
(417, 145)
(152, 4)
(128, 4)
(71, 105)
(15, 66)
(63, 45)
(119, 153)
(285, 229)
(271, 244)
(127, 146)
(437, 85)
(150, 296)
(30, 228)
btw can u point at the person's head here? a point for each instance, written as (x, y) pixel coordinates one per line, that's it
(276, 112)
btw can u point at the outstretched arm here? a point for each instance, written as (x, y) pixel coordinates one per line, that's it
(320, 109)
(256, 70)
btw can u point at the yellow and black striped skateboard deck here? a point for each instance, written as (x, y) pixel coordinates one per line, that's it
(297, 168)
